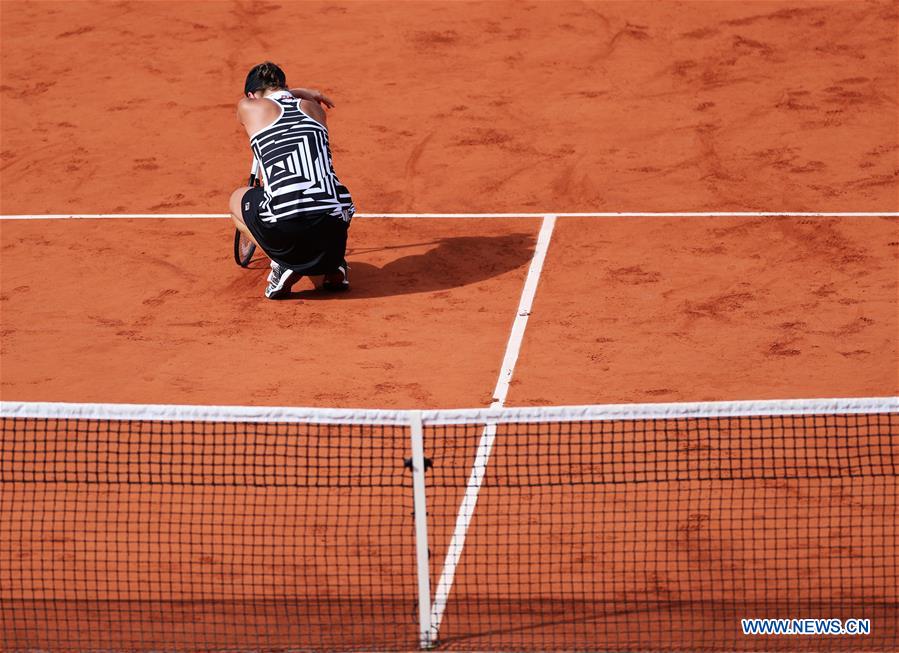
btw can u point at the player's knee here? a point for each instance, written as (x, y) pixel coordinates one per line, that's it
(234, 203)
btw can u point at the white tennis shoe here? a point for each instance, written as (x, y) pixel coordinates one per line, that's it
(280, 281)
(338, 280)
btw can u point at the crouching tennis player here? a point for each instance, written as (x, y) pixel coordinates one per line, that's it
(301, 213)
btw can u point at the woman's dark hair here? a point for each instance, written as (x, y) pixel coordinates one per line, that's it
(263, 76)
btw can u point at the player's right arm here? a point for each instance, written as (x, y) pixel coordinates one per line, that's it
(313, 95)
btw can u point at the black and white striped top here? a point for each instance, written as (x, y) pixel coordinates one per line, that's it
(297, 173)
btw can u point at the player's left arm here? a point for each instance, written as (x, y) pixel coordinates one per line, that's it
(312, 95)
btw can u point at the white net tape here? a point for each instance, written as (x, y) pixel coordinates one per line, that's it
(600, 412)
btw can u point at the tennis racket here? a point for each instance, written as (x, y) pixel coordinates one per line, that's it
(244, 248)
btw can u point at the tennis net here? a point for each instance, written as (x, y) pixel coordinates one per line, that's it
(618, 528)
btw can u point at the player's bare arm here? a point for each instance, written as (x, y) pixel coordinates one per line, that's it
(254, 112)
(313, 95)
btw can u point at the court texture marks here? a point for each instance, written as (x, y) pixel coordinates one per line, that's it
(458, 108)
(560, 203)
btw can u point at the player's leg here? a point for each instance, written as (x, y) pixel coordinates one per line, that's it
(235, 204)
(337, 277)
(281, 278)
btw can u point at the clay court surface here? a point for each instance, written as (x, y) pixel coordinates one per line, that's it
(528, 109)
(627, 310)
(455, 107)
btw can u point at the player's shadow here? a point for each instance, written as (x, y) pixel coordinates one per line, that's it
(446, 263)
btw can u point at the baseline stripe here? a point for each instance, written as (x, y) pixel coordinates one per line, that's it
(615, 214)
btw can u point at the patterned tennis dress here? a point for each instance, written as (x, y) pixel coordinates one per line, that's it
(297, 173)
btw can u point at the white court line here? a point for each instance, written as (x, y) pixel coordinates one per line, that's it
(513, 346)
(479, 468)
(615, 214)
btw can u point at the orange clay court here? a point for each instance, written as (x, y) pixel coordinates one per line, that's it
(515, 112)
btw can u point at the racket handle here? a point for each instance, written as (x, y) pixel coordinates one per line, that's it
(254, 169)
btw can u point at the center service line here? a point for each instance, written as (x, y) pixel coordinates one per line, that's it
(479, 468)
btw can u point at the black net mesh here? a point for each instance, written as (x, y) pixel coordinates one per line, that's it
(189, 536)
(661, 535)
(628, 535)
